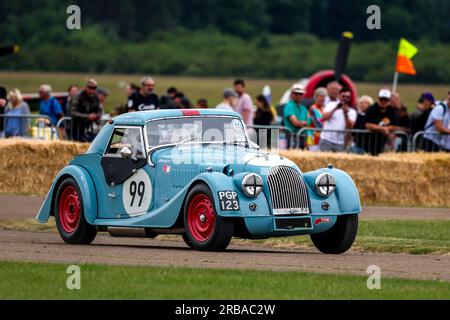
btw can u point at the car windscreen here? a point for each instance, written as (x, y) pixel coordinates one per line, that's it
(195, 129)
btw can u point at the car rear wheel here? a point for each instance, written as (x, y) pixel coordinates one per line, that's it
(204, 229)
(69, 214)
(339, 238)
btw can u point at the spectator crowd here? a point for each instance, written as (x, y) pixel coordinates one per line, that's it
(332, 121)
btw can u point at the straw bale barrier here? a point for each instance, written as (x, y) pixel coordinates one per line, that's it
(28, 167)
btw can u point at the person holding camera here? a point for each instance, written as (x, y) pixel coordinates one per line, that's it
(337, 117)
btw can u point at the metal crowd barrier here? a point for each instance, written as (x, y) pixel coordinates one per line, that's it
(421, 143)
(67, 130)
(271, 137)
(268, 137)
(33, 126)
(365, 141)
(356, 140)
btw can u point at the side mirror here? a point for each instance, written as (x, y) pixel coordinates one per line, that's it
(126, 153)
(254, 145)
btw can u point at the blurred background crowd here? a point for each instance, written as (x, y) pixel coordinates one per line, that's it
(327, 122)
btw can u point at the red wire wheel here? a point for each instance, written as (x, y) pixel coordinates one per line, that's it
(205, 230)
(201, 218)
(69, 209)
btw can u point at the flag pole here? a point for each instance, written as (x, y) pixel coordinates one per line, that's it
(395, 84)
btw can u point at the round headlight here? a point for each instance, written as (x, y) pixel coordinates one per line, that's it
(325, 184)
(252, 185)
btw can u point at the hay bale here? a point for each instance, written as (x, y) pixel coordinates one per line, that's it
(29, 166)
(410, 179)
(413, 179)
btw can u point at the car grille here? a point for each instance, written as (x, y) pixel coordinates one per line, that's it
(288, 191)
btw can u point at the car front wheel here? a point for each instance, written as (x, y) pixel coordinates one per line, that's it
(339, 238)
(69, 214)
(204, 229)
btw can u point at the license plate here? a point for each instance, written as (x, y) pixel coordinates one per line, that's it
(228, 201)
(293, 223)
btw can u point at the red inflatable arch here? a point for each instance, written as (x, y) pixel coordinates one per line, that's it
(322, 78)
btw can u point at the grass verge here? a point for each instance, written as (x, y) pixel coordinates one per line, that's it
(48, 281)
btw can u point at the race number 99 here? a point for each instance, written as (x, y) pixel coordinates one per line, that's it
(137, 194)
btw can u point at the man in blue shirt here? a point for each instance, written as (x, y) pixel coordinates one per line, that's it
(295, 116)
(49, 105)
(437, 129)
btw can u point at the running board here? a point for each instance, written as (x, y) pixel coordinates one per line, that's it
(140, 232)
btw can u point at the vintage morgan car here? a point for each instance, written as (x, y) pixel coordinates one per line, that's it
(196, 173)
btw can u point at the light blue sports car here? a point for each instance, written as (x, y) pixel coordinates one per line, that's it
(196, 173)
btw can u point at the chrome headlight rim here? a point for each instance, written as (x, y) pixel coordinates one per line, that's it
(325, 184)
(252, 185)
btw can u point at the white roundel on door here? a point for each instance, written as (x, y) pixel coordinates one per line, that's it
(137, 193)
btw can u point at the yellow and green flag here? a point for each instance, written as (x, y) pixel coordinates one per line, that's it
(405, 54)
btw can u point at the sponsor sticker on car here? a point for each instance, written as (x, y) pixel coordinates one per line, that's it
(322, 220)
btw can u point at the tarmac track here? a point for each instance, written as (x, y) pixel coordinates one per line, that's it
(48, 247)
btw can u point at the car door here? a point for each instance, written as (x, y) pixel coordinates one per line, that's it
(127, 182)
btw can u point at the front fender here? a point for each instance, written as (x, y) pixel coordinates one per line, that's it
(221, 182)
(86, 186)
(345, 200)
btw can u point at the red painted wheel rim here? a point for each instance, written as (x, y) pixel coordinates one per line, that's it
(201, 218)
(69, 209)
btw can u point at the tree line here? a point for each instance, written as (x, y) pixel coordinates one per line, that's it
(263, 38)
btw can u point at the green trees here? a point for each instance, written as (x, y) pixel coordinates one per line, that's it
(270, 38)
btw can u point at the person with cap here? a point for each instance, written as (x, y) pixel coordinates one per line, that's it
(381, 121)
(419, 120)
(295, 117)
(145, 99)
(437, 128)
(102, 94)
(85, 111)
(49, 105)
(244, 104)
(3, 104)
(229, 100)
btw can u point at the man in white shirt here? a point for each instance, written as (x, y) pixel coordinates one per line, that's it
(229, 100)
(333, 89)
(337, 116)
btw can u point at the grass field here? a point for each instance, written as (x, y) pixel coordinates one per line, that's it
(48, 281)
(194, 88)
(396, 236)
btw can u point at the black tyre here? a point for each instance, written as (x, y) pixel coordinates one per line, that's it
(205, 230)
(69, 214)
(339, 238)
(187, 241)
